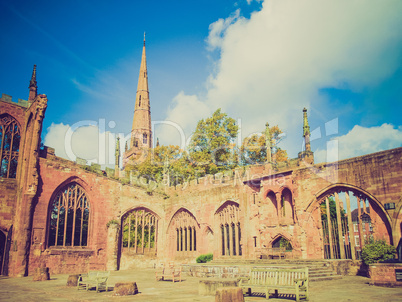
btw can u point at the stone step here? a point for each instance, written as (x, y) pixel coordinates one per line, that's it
(319, 270)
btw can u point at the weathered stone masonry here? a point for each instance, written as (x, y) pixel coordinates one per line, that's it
(233, 216)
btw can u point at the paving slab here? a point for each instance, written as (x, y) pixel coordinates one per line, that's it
(349, 288)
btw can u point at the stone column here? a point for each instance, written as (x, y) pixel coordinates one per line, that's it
(359, 225)
(225, 240)
(279, 207)
(237, 243)
(112, 247)
(350, 229)
(331, 251)
(339, 220)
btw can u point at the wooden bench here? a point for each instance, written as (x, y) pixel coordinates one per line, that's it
(97, 279)
(285, 280)
(170, 272)
(271, 252)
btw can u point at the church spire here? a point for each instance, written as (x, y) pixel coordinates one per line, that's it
(33, 87)
(141, 134)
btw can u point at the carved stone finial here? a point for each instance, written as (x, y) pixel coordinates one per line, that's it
(306, 130)
(268, 142)
(33, 87)
(33, 82)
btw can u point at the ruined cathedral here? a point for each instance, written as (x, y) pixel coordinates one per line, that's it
(57, 213)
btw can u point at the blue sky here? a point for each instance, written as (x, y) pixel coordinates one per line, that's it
(257, 60)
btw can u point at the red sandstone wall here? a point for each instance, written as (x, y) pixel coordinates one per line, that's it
(16, 111)
(8, 197)
(102, 193)
(109, 199)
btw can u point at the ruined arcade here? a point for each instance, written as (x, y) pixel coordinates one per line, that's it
(54, 212)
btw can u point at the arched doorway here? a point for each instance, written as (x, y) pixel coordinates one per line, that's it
(350, 218)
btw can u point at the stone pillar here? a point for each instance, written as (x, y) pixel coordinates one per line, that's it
(136, 231)
(359, 225)
(143, 231)
(237, 243)
(331, 251)
(350, 230)
(225, 240)
(279, 206)
(112, 247)
(339, 220)
(188, 239)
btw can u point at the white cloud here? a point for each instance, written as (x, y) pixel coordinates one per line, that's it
(360, 141)
(218, 29)
(86, 139)
(181, 125)
(273, 64)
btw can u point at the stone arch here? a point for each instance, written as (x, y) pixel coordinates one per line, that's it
(287, 206)
(349, 216)
(277, 238)
(139, 231)
(180, 209)
(69, 215)
(184, 234)
(270, 208)
(397, 223)
(228, 217)
(69, 180)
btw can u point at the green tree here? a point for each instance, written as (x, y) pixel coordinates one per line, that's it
(254, 149)
(377, 250)
(212, 147)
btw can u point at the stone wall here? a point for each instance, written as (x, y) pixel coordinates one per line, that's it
(384, 274)
(8, 197)
(103, 195)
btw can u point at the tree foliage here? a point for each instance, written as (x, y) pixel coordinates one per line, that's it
(254, 149)
(212, 147)
(377, 250)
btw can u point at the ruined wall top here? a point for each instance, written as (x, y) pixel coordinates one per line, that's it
(8, 99)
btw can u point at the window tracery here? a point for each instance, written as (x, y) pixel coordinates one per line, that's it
(139, 231)
(186, 231)
(10, 138)
(69, 217)
(229, 224)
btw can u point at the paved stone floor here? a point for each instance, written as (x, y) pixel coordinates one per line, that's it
(349, 288)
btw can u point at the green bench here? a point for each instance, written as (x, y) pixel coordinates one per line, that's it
(97, 279)
(284, 280)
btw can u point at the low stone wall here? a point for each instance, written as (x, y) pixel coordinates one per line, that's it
(208, 287)
(384, 274)
(67, 261)
(216, 271)
(345, 267)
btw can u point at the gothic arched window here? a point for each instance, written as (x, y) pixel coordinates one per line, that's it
(144, 138)
(69, 217)
(9, 146)
(186, 231)
(229, 223)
